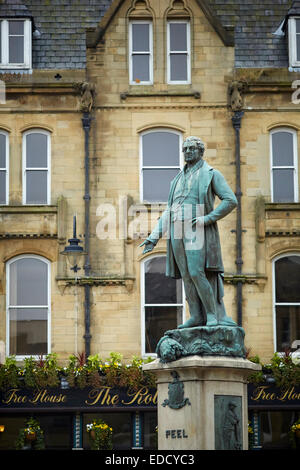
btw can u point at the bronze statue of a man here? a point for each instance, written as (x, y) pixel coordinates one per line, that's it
(192, 192)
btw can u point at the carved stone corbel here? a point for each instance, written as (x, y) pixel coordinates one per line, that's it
(88, 92)
(235, 91)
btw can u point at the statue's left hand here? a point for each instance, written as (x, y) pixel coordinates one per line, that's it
(198, 220)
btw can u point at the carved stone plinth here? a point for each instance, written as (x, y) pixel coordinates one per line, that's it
(202, 402)
(203, 341)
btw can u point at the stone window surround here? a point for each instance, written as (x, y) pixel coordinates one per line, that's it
(6, 168)
(8, 306)
(143, 260)
(181, 162)
(295, 166)
(47, 169)
(280, 256)
(188, 53)
(149, 52)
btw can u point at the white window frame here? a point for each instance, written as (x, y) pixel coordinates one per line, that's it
(149, 53)
(188, 52)
(8, 306)
(6, 169)
(292, 42)
(181, 159)
(283, 255)
(294, 167)
(48, 169)
(144, 305)
(27, 64)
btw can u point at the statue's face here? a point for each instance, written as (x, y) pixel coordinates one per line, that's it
(191, 152)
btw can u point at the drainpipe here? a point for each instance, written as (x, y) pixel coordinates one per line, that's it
(86, 124)
(236, 122)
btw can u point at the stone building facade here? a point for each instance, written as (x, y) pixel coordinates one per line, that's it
(232, 85)
(96, 98)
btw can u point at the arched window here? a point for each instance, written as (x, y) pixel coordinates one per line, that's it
(4, 168)
(36, 167)
(161, 160)
(284, 178)
(286, 297)
(28, 305)
(162, 302)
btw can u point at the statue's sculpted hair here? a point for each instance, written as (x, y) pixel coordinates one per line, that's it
(198, 141)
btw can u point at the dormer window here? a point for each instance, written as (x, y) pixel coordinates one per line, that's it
(294, 41)
(15, 44)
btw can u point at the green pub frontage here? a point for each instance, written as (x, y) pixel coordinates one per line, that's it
(63, 414)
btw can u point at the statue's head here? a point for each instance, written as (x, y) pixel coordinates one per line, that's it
(193, 149)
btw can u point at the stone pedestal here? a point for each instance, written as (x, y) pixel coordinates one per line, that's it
(202, 402)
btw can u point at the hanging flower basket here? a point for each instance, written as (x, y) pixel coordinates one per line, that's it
(294, 434)
(100, 435)
(30, 435)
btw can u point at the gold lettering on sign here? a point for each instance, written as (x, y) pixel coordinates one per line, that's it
(141, 397)
(289, 394)
(42, 396)
(102, 396)
(13, 397)
(262, 393)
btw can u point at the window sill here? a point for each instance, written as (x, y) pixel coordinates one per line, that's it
(149, 206)
(27, 209)
(282, 206)
(167, 93)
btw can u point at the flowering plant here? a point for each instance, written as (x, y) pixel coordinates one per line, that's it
(294, 433)
(33, 433)
(100, 435)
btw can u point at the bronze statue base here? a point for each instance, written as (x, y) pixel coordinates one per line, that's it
(203, 341)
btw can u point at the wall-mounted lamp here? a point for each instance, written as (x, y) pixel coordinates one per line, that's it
(73, 251)
(2, 427)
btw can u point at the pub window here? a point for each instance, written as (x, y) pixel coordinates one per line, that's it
(286, 275)
(284, 178)
(140, 53)
(162, 302)
(28, 305)
(161, 160)
(178, 52)
(36, 167)
(4, 168)
(15, 43)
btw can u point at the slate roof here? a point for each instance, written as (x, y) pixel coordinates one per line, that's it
(255, 22)
(16, 8)
(63, 23)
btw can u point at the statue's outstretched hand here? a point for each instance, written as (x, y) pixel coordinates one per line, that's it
(148, 246)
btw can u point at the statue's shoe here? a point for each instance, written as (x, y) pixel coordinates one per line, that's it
(190, 323)
(227, 321)
(211, 320)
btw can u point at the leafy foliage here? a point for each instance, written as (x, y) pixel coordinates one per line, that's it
(100, 435)
(80, 372)
(284, 370)
(30, 433)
